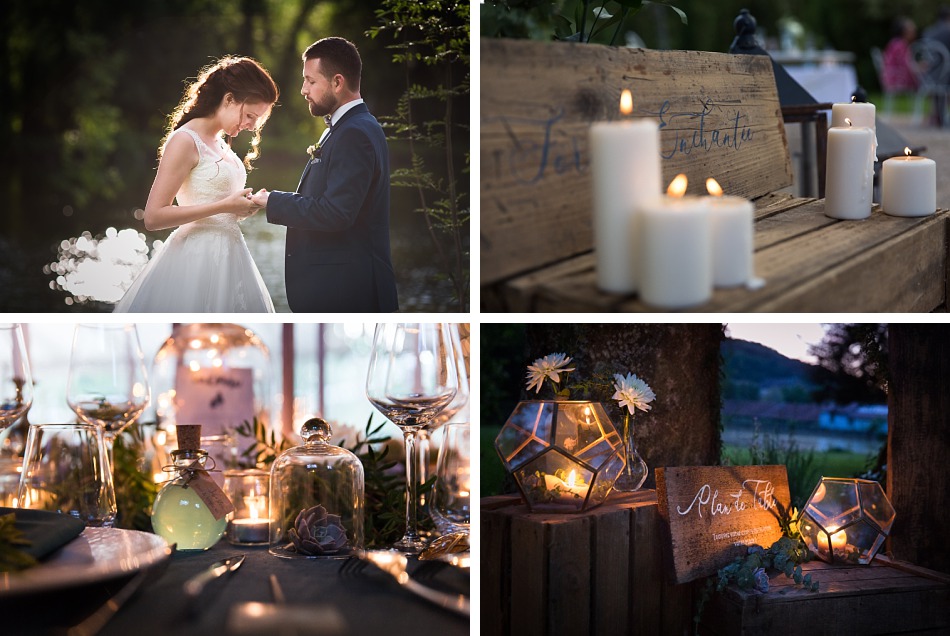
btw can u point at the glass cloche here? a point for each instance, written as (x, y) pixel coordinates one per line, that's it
(316, 498)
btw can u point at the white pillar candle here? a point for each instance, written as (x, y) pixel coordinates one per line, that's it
(861, 114)
(909, 185)
(732, 230)
(849, 175)
(625, 164)
(676, 250)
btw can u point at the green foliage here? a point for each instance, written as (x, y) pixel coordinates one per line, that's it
(12, 557)
(266, 446)
(750, 572)
(135, 488)
(602, 21)
(856, 356)
(434, 33)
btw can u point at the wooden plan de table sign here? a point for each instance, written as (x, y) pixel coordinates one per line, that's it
(538, 101)
(592, 573)
(714, 513)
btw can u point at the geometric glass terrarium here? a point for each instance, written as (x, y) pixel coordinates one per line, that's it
(846, 520)
(564, 455)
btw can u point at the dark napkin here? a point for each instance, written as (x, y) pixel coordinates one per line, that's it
(46, 531)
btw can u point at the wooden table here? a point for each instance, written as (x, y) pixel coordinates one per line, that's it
(809, 262)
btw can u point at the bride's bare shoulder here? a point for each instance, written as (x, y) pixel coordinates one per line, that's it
(180, 147)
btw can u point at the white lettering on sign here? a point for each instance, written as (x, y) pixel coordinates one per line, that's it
(754, 494)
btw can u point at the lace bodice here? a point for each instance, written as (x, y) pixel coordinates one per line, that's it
(219, 173)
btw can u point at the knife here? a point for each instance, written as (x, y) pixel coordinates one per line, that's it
(197, 583)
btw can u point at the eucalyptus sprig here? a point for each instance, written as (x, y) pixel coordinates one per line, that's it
(12, 557)
(135, 488)
(750, 572)
(266, 446)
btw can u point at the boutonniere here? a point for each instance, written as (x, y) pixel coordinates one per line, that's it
(314, 150)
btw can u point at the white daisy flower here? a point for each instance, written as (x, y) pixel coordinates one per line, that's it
(550, 366)
(632, 392)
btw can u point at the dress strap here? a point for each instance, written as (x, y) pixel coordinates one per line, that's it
(199, 144)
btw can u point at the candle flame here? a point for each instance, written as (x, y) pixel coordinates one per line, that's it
(572, 478)
(677, 186)
(626, 102)
(847, 121)
(713, 187)
(907, 151)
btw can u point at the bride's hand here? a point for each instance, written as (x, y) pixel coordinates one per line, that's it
(260, 198)
(241, 204)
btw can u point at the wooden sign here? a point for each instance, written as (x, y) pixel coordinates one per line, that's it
(718, 114)
(714, 513)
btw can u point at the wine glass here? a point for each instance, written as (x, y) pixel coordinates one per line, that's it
(16, 381)
(411, 378)
(108, 384)
(445, 415)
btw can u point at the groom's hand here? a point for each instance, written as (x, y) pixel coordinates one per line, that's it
(259, 198)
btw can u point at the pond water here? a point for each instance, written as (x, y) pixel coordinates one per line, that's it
(91, 271)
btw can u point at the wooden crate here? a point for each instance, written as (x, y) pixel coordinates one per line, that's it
(538, 101)
(885, 597)
(600, 572)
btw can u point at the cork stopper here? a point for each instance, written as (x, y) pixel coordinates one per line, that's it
(189, 436)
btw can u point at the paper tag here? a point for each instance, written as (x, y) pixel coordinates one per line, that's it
(211, 494)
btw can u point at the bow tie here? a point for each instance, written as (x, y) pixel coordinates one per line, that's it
(328, 120)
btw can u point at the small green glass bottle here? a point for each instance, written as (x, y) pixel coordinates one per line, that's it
(179, 514)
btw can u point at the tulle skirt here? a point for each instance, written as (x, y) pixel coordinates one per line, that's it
(202, 268)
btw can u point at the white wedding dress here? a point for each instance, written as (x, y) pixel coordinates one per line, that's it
(204, 266)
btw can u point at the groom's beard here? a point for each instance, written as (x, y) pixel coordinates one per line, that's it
(319, 109)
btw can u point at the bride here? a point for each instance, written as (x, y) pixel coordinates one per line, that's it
(205, 265)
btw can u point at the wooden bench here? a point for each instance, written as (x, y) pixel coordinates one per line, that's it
(538, 101)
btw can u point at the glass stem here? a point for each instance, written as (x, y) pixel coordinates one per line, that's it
(412, 487)
(422, 449)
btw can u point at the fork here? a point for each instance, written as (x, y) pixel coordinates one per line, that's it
(394, 564)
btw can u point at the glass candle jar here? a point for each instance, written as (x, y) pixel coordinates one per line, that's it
(248, 491)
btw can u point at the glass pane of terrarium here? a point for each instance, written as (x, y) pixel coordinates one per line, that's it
(863, 541)
(554, 481)
(526, 433)
(876, 505)
(834, 503)
(815, 539)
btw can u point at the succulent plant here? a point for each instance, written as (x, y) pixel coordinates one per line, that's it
(317, 533)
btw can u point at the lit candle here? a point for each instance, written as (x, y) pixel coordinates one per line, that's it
(839, 538)
(676, 249)
(849, 172)
(909, 185)
(625, 165)
(255, 528)
(569, 490)
(732, 221)
(860, 114)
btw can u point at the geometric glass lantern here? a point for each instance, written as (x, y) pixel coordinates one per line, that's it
(564, 455)
(846, 520)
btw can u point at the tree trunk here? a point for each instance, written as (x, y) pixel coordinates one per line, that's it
(679, 362)
(918, 444)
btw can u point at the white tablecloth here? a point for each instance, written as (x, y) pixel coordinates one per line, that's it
(832, 83)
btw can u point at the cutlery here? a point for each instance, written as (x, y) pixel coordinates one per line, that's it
(394, 564)
(197, 583)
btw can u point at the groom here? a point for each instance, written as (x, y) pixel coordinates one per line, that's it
(337, 254)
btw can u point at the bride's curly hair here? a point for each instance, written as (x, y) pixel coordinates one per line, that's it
(243, 77)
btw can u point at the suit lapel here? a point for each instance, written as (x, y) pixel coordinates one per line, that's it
(324, 139)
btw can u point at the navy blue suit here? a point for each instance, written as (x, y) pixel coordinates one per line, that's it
(337, 255)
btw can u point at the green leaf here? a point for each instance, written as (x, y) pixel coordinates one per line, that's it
(679, 12)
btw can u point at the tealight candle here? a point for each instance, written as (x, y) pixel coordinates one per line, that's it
(909, 185)
(849, 173)
(625, 166)
(567, 490)
(732, 221)
(248, 491)
(676, 248)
